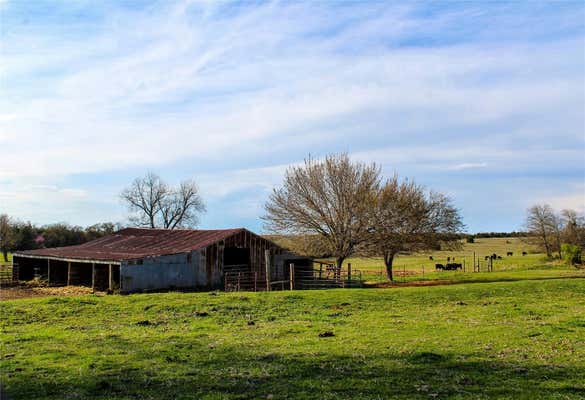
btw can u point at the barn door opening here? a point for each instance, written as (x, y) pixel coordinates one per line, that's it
(236, 258)
(238, 274)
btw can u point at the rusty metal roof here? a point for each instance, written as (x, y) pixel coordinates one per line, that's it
(133, 243)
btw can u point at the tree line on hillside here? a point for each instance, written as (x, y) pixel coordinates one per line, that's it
(17, 235)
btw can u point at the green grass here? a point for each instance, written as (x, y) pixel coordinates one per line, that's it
(5, 262)
(506, 340)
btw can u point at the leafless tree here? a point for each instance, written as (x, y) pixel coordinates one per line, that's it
(7, 239)
(409, 219)
(331, 198)
(181, 207)
(573, 228)
(157, 204)
(542, 225)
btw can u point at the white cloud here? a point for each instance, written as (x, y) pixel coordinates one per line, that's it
(464, 166)
(574, 201)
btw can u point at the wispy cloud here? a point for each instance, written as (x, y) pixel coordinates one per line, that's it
(234, 92)
(464, 166)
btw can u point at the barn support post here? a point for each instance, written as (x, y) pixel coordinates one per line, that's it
(292, 276)
(68, 273)
(110, 277)
(320, 270)
(49, 271)
(267, 266)
(93, 276)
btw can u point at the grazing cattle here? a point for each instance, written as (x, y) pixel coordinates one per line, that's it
(453, 266)
(524, 253)
(486, 258)
(439, 266)
(494, 256)
(499, 257)
(509, 254)
(448, 259)
(431, 258)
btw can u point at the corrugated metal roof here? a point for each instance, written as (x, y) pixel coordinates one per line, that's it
(133, 243)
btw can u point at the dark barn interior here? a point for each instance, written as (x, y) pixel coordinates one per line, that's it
(61, 273)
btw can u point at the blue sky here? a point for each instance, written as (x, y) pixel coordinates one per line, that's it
(484, 101)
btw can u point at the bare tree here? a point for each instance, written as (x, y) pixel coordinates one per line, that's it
(409, 219)
(157, 204)
(543, 226)
(573, 228)
(181, 207)
(331, 198)
(7, 239)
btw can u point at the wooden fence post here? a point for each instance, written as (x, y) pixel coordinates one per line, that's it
(110, 278)
(349, 273)
(292, 276)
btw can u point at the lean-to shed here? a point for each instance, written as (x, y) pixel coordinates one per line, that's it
(136, 259)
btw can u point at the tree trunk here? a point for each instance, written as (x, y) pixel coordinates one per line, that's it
(5, 252)
(388, 260)
(546, 244)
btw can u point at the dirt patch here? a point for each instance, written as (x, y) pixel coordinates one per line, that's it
(26, 291)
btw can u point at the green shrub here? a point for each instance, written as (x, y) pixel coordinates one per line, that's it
(571, 253)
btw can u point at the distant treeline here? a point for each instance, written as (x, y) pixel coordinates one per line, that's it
(495, 234)
(18, 235)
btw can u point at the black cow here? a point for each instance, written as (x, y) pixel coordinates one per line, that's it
(453, 266)
(499, 257)
(524, 253)
(439, 266)
(509, 254)
(431, 258)
(486, 258)
(448, 259)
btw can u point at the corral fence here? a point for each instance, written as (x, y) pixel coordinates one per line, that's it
(8, 275)
(320, 275)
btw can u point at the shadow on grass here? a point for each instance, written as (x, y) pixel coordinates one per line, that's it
(235, 373)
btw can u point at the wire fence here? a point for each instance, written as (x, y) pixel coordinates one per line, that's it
(7, 277)
(297, 278)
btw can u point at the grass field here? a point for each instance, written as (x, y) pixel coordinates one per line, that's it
(418, 267)
(506, 340)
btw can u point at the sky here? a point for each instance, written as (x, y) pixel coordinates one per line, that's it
(484, 101)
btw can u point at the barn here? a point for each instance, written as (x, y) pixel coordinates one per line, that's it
(138, 259)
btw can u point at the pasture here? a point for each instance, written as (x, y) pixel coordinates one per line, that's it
(505, 340)
(414, 268)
